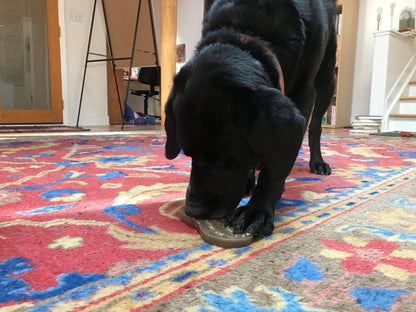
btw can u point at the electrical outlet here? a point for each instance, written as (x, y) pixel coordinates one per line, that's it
(76, 16)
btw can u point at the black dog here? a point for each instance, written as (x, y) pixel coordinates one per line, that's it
(244, 100)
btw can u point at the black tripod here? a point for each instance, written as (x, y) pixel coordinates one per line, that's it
(112, 58)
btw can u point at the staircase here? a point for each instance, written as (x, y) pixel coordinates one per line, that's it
(393, 83)
(403, 118)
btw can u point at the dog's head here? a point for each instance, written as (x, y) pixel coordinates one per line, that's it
(217, 103)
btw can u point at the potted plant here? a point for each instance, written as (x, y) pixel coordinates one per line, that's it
(407, 19)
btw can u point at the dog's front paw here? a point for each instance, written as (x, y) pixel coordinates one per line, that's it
(320, 168)
(247, 220)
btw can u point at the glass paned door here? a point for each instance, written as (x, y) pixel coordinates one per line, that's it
(30, 81)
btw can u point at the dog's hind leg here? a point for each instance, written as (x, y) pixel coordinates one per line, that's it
(324, 85)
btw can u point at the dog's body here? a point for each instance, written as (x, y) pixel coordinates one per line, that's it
(229, 109)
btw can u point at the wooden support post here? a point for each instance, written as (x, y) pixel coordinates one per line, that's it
(168, 17)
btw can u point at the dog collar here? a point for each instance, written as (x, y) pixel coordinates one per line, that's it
(246, 39)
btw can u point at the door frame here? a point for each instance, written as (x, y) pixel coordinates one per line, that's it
(55, 114)
(168, 29)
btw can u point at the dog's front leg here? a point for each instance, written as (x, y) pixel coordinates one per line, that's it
(257, 217)
(275, 137)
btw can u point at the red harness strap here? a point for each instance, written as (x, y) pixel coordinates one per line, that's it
(279, 69)
(245, 38)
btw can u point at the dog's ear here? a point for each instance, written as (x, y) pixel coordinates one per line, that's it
(172, 147)
(282, 111)
(276, 133)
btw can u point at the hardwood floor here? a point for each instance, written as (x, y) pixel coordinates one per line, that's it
(94, 130)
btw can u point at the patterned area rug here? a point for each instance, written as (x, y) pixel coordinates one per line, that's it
(90, 224)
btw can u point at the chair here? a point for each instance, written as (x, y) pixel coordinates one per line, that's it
(150, 76)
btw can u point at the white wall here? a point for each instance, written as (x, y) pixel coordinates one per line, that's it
(189, 26)
(94, 111)
(74, 41)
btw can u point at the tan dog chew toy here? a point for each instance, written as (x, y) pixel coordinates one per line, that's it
(215, 232)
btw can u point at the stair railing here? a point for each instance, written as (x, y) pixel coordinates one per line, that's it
(393, 97)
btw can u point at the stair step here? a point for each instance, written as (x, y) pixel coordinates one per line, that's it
(403, 115)
(408, 98)
(412, 89)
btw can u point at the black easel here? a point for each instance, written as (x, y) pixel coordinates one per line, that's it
(112, 58)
